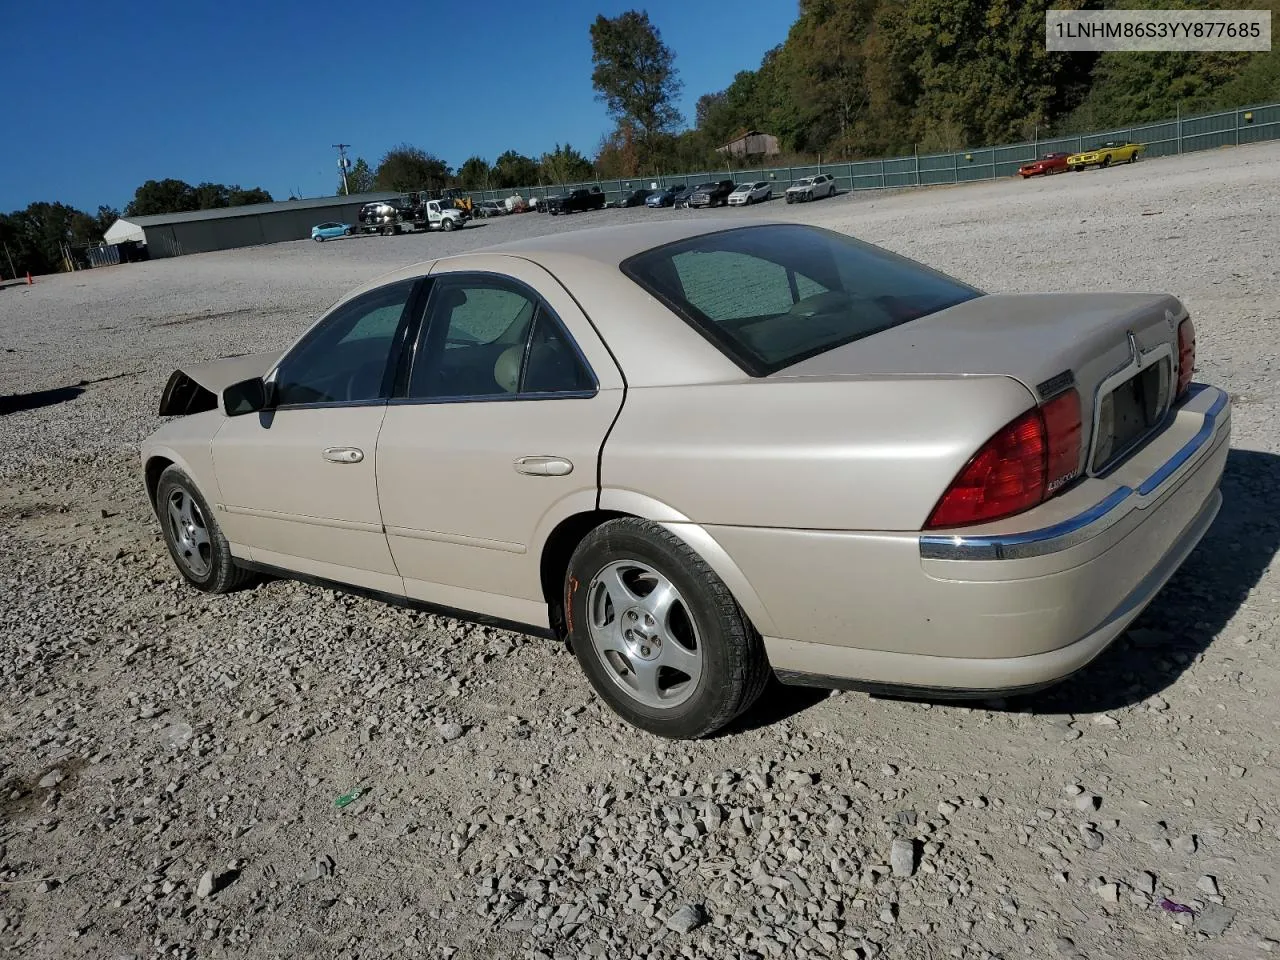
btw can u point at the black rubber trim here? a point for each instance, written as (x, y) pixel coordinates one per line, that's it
(406, 342)
(797, 678)
(397, 600)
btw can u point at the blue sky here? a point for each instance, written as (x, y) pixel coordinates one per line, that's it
(101, 96)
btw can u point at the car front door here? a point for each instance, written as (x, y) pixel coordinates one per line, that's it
(493, 437)
(297, 482)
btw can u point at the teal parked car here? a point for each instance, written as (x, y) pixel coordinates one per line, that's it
(327, 231)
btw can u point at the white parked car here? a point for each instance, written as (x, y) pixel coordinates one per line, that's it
(811, 188)
(491, 208)
(751, 193)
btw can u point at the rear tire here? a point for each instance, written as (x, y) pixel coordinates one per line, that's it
(195, 541)
(641, 655)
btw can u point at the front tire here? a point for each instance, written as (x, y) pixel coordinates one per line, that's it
(448, 225)
(658, 634)
(195, 541)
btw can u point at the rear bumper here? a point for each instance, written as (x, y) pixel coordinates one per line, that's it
(877, 671)
(1004, 609)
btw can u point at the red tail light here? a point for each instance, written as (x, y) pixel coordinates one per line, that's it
(1025, 463)
(1062, 424)
(1186, 354)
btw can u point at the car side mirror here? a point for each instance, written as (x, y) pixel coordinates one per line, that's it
(247, 396)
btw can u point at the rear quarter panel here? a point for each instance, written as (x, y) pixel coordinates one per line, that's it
(862, 453)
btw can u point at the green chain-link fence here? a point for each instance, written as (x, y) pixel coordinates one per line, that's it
(1182, 135)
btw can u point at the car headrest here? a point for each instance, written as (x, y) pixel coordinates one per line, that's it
(453, 297)
(506, 371)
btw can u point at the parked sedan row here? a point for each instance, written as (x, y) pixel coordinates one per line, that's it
(713, 193)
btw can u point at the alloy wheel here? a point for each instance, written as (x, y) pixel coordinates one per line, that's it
(189, 534)
(644, 634)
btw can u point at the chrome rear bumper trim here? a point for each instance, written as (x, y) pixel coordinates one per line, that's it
(1077, 529)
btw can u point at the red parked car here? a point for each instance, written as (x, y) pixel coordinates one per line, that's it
(1049, 163)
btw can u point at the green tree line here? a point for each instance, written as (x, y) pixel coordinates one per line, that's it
(858, 79)
(32, 240)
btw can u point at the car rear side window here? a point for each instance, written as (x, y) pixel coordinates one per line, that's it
(486, 336)
(772, 295)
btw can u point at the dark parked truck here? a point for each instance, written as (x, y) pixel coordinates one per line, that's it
(712, 194)
(576, 201)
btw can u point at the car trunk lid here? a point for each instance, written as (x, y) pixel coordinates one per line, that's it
(1119, 351)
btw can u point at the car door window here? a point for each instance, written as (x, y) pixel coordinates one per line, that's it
(344, 359)
(489, 337)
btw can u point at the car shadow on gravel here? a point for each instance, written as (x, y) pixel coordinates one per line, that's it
(778, 702)
(16, 402)
(1194, 608)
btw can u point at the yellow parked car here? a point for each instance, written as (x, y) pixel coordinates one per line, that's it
(1105, 154)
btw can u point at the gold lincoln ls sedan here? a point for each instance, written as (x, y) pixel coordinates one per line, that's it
(708, 451)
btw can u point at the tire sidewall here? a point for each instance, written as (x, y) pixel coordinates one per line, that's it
(706, 707)
(221, 564)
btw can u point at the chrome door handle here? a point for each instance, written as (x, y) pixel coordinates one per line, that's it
(343, 454)
(544, 466)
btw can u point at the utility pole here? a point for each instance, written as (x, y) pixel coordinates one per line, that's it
(343, 164)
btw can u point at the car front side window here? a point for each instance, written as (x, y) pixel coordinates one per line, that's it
(344, 359)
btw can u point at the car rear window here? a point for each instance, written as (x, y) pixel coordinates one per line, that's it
(772, 295)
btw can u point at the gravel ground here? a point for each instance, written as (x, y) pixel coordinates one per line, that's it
(290, 772)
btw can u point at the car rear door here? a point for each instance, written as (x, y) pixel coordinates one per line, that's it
(297, 482)
(494, 435)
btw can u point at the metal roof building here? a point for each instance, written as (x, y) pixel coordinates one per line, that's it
(751, 143)
(201, 231)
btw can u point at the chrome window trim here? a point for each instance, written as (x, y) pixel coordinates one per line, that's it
(1084, 525)
(325, 405)
(493, 398)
